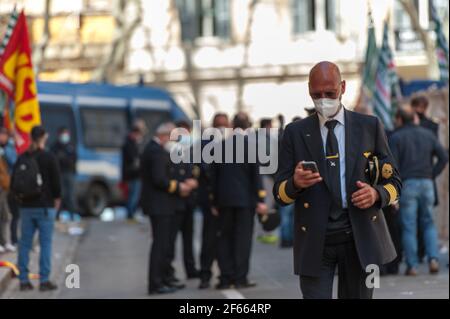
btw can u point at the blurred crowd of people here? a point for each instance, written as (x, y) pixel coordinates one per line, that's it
(229, 195)
(36, 189)
(420, 159)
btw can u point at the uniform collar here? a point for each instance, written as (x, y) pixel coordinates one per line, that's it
(338, 117)
(156, 140)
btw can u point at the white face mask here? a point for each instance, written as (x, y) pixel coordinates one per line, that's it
(64, 138)
(327, 107)
(170, 145)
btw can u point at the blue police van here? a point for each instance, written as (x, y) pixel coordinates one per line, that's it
(99, 116)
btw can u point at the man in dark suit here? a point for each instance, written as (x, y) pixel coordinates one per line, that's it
(338, 217)
(159, 192)
(237, 192)
(210, 219)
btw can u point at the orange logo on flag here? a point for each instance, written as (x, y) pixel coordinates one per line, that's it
(18, 81)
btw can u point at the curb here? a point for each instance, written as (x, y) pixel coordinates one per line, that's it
(6, 274)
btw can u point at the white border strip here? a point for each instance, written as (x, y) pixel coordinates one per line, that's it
(101, 101)
(98, 168)
(55, 98)
(151, 104)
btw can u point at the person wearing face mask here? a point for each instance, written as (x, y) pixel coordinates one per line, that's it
(36, 183)
(160, 192)
(66, 154)
(338, 221)
(131, 166)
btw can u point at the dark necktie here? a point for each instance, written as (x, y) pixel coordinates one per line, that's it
(332, 156)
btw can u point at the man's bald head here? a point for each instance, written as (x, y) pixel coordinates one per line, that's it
(325, 81)
(324, 70)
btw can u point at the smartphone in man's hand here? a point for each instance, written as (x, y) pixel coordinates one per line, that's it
(310, 166)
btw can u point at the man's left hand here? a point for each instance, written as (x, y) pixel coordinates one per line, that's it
(365, 197)
(192, 183)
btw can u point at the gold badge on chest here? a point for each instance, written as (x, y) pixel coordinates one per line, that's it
(367, 154)
(387, 171)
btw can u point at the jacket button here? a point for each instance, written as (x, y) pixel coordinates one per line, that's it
(374, 218)
(303, 228)
(306, 205)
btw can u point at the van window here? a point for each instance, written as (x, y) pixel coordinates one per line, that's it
(152, 118)
(103, 127)
(54, 116)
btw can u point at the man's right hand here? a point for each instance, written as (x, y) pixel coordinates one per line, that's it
(305, 178)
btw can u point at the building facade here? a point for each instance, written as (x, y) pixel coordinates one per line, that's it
(222, 55)
(229, 55)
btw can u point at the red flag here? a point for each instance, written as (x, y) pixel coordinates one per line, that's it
(18, 81)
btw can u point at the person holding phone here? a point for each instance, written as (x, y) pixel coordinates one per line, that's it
(338, 218)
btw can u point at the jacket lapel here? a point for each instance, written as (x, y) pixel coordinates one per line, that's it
(352, 146)
(314, 143)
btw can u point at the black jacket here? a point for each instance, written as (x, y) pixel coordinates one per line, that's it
(236, 184)
(51, 178)
(430, 125)
(364, 137)
(159, 189)
(180, 172)
(204, 182)
(66, 155)
(414, 148)
(130, 160)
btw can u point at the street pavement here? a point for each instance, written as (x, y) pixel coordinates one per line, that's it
(113, 256)
(63, 251)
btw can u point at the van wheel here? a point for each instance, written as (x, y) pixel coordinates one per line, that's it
(96, 200)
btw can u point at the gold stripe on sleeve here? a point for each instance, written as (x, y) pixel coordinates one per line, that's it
(392, 193)
(172, 186)
(282, 193)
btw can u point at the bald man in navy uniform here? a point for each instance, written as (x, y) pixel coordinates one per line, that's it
(338, 218)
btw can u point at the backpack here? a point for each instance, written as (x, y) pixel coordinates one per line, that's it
(26, 184)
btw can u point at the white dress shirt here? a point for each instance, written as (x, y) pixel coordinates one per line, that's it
(339, 131)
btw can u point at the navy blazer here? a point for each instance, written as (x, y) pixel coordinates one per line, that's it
(236, 184)
(364, 137)
(159, 188)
